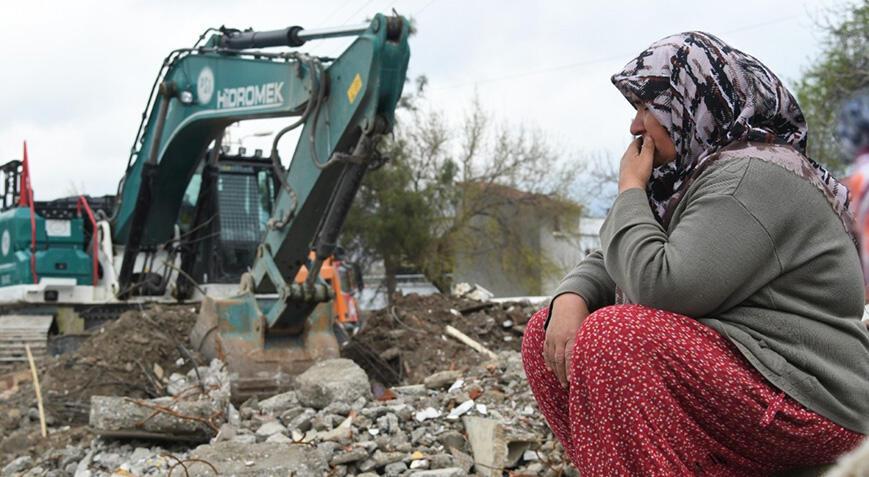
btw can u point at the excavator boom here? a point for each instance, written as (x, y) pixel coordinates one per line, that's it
(344, 106)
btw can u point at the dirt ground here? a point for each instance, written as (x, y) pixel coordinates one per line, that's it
(406, 342)
(125, 357)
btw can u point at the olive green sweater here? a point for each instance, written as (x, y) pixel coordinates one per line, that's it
(758, 254)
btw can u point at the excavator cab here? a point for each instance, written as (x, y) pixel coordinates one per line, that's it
(223, 218)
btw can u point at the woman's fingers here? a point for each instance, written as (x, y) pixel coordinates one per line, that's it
(549, 354)
(636, 165)
(648, 149)
(560, 368)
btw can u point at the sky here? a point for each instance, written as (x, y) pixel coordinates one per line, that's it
(77, 74)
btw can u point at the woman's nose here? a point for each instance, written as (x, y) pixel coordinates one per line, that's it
(637, 128)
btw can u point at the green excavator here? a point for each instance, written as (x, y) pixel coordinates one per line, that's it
(146, 243)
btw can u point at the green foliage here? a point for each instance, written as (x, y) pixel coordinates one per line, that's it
(841, 69)
(432, 198)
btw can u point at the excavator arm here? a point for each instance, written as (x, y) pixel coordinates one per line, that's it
(343, 104)
(274, 327)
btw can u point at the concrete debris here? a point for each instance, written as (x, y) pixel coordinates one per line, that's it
(853, 464)
(426, 414)
(448, 472)
(160, 418)
(347, 457)
(442, 379)
(18, 465)
(328, 424)
(256, 460)
(456, 385)
(472, 292)
(411, 434)
(332, 380)
(495, 446)
(270, 428)
(193, 413)
(276, 405)
(461, 409)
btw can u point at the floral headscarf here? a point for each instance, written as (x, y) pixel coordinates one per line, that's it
(708, 96)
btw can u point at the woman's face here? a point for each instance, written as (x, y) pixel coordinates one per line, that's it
(645, 123)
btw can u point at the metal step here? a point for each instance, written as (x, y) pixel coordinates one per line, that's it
(16, 331)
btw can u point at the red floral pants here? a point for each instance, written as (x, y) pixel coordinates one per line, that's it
(656, 393)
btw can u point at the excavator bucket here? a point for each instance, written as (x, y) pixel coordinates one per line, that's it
(260, 362)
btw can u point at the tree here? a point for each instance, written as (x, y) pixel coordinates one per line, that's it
(841, 69)
(433, 197)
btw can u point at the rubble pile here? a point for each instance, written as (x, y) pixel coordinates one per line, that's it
(463, 414)
(482, 421)
(132, 356)
(409, 338)
(129, 356)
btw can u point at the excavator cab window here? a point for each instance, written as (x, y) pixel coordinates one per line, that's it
(232, 219)
(11, 172)
(188, 203)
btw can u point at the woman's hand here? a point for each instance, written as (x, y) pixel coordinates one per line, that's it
(636, 165)
(568, 312)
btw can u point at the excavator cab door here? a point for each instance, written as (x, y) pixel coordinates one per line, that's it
(223, 217)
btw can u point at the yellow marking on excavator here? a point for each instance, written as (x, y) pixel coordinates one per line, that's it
(354, 88)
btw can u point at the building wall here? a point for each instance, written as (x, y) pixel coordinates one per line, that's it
(489, 263)
(553, 237)
(561, 247)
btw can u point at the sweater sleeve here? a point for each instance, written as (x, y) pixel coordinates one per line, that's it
(716, 256)
(590, 280)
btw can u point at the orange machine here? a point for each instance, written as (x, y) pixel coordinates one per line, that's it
(344, 306)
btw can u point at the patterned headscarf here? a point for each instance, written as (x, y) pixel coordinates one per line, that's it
(709, 96)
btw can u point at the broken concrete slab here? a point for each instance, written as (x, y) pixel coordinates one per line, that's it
(448, 472)
(270, 428)
(494, 445)
(441, 379)
(349, 456)
(18, 465)
(276, 405)
(258, 460)
(332, 380)
(279, 438)
(342, 432)
(163, 418)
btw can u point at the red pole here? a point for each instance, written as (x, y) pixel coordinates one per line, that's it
(26, 199)
(83, 203)
(24, 181)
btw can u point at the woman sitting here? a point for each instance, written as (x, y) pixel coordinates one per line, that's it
(717, 331)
